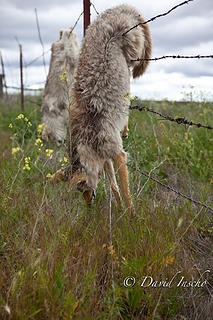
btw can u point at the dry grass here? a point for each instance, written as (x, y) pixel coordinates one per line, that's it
(63, 260)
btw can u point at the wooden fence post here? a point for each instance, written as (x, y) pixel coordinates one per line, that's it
(86, 14)
(3, 79)
(1, 86)
(21, 78)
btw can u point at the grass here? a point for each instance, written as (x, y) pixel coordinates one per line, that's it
(62, 260)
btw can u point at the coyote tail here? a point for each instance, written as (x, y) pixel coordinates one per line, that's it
(140, 67)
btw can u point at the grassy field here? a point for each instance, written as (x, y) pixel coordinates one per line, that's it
(60, 259)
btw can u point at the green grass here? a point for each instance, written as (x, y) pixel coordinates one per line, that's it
(60, 259)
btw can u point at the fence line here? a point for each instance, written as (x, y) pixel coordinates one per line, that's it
(25, 89)
(172, 189)
(45, 52)
(151, 59)
(180, 120)
(158, 16)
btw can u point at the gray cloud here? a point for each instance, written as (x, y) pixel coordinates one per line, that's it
(187, 30)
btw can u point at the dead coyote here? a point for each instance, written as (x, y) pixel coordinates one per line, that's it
(101, 101)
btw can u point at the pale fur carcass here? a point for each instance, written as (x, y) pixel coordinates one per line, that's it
(100, 108)
(57, 92)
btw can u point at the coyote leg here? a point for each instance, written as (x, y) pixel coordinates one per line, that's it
(108, 167)
(120, 164)
(125, 132)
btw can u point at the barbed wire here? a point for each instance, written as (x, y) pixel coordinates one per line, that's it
(75, 24)
(35, 59)
(44, 53)
(94, 8)
(180, 120)
(172, 189)
(25, 89)
(156, 17)
(198, 56)
(40, 39)
(151, 59)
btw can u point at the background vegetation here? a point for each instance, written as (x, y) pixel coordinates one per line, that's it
(62, 260)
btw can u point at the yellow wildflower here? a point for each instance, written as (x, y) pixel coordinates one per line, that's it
(111, 250)
(29, 124)
(104, 245)
(38, 142)
(26, 167)
(15, 150)
(65, 160)
(40, 127)
(49, 175)
(49, 152)
(168, 260)
(25, 119)
(10, 126)
(20, 116)
(63, 76)
(27, 159)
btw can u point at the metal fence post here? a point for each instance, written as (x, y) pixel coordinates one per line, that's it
(86, 14)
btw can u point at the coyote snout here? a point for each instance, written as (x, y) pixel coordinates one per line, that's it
(100, 108)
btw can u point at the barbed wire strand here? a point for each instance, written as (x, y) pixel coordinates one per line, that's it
(158, 16)
(172, 189)
(18, 88)
(45, 52)
(166, 117)
(75, 24)
(94, 8)
(35, 59)
(198, 56)
(40, 39)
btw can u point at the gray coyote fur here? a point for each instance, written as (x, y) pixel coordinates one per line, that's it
(55, 114)
(100, 107)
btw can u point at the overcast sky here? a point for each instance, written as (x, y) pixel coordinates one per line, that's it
(187, 30)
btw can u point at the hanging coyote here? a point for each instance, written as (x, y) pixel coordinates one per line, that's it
(101, 101)
(55, 114)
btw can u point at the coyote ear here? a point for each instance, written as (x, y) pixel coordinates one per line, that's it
(140, 67)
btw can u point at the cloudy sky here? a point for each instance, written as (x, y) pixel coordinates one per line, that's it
(185, 31)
